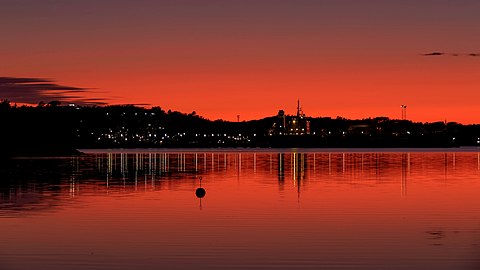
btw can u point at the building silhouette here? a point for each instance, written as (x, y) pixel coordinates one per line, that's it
(293, 125)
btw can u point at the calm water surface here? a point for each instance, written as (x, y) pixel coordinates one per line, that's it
(262, 210)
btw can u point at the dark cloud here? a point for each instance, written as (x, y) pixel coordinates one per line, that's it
(34, 90)
(450, 54)
(433, 54)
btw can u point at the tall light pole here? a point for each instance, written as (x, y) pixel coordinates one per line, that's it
(404, 112)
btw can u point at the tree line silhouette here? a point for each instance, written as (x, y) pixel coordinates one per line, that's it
(50, 128)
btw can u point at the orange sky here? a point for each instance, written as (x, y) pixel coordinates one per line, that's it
(252, 58)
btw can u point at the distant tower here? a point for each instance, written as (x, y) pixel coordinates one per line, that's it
(238, 117)
(404, 112)
(299, 109)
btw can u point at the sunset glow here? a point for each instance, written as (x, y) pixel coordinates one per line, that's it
(354, 59)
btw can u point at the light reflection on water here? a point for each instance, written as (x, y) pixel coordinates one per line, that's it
(262, 210)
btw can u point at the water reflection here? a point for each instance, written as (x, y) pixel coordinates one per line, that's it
(141, 210)
(40, 183)
(405, 171)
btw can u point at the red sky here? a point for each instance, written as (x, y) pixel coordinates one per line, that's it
(346, 58)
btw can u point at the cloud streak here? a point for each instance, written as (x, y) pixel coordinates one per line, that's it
(34, 90)
(434, 54)
(450, 54)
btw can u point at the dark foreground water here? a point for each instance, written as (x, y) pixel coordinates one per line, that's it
(262, 210)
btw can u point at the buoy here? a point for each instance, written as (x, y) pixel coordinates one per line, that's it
(200, 192)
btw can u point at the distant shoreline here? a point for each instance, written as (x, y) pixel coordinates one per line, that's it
(88, 151)
(54, 130)
(467, 149)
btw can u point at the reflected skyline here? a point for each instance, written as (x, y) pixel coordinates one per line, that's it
(291, 209)
(118, 173)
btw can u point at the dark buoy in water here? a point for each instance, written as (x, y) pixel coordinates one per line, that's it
(200, 192)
